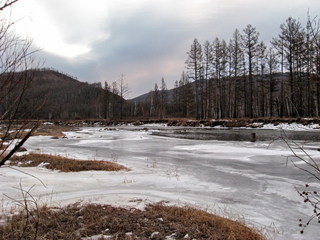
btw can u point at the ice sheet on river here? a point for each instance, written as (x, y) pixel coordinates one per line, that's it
(233, 178)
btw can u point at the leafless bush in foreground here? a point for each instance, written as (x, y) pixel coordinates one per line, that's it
(16, 60)
(311, 166)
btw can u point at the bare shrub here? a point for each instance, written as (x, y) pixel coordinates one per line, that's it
(311, 166)
(16, 62)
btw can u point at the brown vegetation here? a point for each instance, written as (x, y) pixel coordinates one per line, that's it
(64, 164)
(20, 129)
(52, 130)
(156, 222)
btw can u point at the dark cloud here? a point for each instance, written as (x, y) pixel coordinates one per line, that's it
(149, 39)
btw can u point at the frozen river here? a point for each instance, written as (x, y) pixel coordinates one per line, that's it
(237, 179)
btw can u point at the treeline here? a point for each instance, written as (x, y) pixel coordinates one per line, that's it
(245, 77)
(154, 104)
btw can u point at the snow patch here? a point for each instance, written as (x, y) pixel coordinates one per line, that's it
(97, 237)
(154, 234)
(171, 237)
(291, 127)
(155, 125)
(43, 165)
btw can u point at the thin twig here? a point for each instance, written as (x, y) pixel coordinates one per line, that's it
(7, 4)
(31, 175)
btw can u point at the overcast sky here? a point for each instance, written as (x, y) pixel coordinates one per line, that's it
(146, 40)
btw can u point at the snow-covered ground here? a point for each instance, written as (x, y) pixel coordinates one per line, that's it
(281, 126)
(241, 180)
(292, 126)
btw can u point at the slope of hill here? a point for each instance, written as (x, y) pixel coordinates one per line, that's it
(141, 98)
(170, 92)
(54, 95)
(144, 97)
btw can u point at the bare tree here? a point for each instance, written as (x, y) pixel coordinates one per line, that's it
(16, 58)
(217, 63)
(272, 66)
(289, 44)
(194, 65)
(220, 53)
(186, 95)
(155, 101)
(106, 99)
(313, 61)
(176, 99)
(123, 91)
(163, 98)
(236, 54)
(114, 102)
(207, 74)
(250, 44)
(261, 88)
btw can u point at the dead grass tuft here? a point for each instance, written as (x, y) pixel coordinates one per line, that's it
(64, 164)
(200, 224)
(53, 131)
(156, 222)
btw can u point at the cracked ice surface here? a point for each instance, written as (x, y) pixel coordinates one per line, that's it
(235, 179)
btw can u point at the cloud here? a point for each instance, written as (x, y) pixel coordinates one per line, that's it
(146, 40)
(65, 28)
(139, 46)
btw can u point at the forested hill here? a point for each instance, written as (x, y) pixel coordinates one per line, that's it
(54, 95)
(63, 96)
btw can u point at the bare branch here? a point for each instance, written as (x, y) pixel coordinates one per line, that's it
(31, 175)
(7, 4)
(14, 150)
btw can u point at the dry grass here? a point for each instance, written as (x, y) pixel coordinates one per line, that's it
(55, 131)
(18, 131)
(76, 222)
(64, 164)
